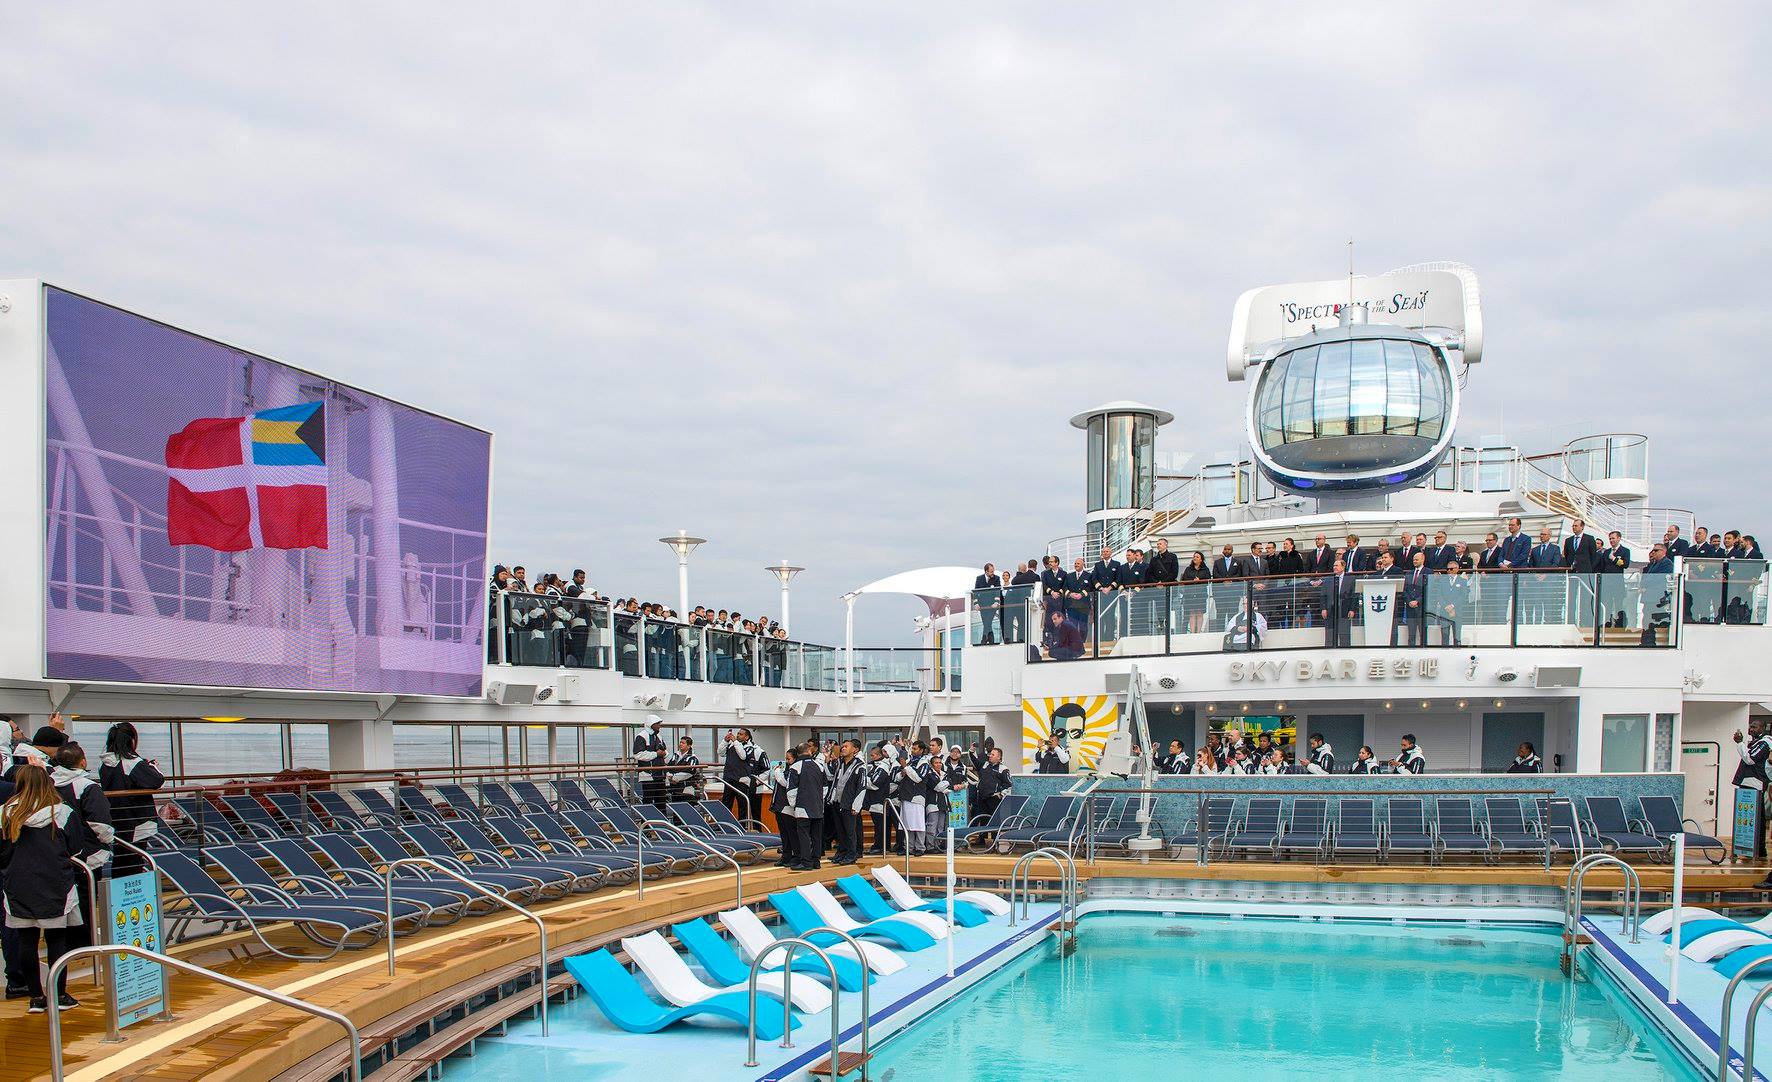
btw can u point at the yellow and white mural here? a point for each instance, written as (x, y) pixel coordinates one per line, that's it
(1086, 720)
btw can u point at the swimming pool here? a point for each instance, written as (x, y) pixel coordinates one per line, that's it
(1145, 996)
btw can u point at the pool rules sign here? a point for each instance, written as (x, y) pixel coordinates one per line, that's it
(138, 985)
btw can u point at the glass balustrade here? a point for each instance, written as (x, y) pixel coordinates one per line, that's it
(999, 615)
(559, 632)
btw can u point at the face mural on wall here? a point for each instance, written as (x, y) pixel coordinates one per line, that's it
(1086, 721)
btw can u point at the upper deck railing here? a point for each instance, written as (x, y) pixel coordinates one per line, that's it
(1531, 608)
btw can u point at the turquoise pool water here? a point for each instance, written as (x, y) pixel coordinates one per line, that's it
(1158, 998)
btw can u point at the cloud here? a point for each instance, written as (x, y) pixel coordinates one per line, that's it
(824, 282)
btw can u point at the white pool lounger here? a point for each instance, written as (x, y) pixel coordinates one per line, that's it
(677, 983)
(1663, 922)
(753, 936)
(837, 917)
(1708, 948)
(903, 896)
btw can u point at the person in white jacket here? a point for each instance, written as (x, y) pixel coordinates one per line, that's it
(649, 755)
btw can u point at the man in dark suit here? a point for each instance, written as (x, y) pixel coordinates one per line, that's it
(1657, 587)
(1674, 543)
(1516, 548)
(1581, 555)
(1404, 551)
(1613, 591)
(1163, 565)
(1359, 561)
(1442, 553)
(1415, 599)
(987, 600)
(1320, 560)
(1490, 558)
(1148, 602)
(1015, 601)
(1704, 546)
(1079, 587)
(1615, 557)
(1538, 590)
(1052, 580)
(1341, 604)
(1227, 566)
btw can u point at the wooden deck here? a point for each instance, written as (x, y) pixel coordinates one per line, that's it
(226, 1036)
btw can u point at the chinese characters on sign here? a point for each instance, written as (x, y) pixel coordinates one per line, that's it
(1269, 672)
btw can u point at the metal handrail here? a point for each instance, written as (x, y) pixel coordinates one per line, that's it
(1632, 917)
(790, 945)
(540, 928)
(1723, 1022)
(1753, 1026)
(737, 871)
(61, 964)
(1022, 873)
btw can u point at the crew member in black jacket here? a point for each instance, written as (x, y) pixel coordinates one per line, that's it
(649, 753)
(132, 816)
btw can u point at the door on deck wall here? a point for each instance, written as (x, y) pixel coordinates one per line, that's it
(1699, 762)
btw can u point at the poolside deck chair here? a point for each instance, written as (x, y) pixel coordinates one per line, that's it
(1730, 965)
(751, 935)
(1259, 829)
(495, 797)
(983, 829)
(255, 820)
(873, 906)
(1212, 833)
(1560, 824)
(529, 793)
(1455, 827)
(723, 817)
(596, 829)
(350, 862)
(298, 815)
(1054, 816)
(1356, 827)
(723, 964)
(417, 805)
(1659, 922)
(1508, 829)
(341, 814)
(250, 878)
(804, 918)
(331, 926)
(672, 978)
(573, 876)
(1119, 831)
(727, 827)
(1709, 948)
(604, 789)
(905, 897)
(1661, 817)
(625, 1003)
(217, 828)
(656, 818)
(295, 859)
(514, 835)
(1406, 828)
(378, 805)
(459, 800)
(835, 916)
(389, 847)
(1616, 832)
(568, 794)
(1307, 828)
(558, 835)
(622, 821)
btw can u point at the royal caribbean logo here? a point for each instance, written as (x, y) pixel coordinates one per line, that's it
(1380, 602)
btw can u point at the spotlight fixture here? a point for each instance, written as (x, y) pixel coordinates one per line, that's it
(1498, 702)
(1279, 706)
(1387, 704)
(1424, 704)
(1462, 704)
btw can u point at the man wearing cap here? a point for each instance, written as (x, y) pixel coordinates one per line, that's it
(649, 754)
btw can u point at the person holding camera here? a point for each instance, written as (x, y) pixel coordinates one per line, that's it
(1750, 773)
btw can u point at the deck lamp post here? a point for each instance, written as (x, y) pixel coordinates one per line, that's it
(683, 545)
(785, 572)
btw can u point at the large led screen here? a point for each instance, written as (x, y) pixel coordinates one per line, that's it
(216, 518)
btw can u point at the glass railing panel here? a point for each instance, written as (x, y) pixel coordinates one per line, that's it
(1744, 592)
(1703, 596)
(1191, 629)
(549, 630)
(732, 657)
(1131, 621)
(822, 668)
(999, 615)
(892, 669)
(777, 662)
(627, 643)
(672, 651)
(1635, 609)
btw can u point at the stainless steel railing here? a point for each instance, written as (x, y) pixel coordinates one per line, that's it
(1632, 917)
(737, 870)
(1020, 875)
(61, 964)
(540, 928)
(1723, 1023)
(789, 946)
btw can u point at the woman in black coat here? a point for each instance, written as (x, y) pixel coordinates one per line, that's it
(1192, 603)
(133, 817)
(39, 837)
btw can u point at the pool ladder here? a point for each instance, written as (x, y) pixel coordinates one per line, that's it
(1021, 888)
(837, 1066)
(1630, 920)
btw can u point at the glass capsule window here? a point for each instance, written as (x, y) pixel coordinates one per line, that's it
(1362, 387)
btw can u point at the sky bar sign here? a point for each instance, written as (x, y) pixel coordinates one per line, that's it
(1439, 297)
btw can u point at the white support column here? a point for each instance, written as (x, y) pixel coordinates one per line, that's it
(849, 647)
(683, 545)
(360, 745)
(785, 572)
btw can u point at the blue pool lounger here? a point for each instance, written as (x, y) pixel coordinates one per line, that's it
(621, 999)
(1693, 929)
(874, 907)
(802, 918)
(725, 966)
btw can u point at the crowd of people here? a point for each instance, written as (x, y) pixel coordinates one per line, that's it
(1242, 595)
(54, 814)
(1234, 751)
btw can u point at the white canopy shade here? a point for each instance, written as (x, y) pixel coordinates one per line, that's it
(943, 589)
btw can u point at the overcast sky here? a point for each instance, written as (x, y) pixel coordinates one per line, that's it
(825, 282)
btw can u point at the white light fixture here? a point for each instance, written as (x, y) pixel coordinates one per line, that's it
(785, 572)
(683, 545)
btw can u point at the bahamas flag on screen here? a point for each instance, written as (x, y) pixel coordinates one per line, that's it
(256, 482)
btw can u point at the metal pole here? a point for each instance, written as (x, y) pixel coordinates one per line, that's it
(61, 965)
(790, 945)
(1723, 1023)
(1673, 948)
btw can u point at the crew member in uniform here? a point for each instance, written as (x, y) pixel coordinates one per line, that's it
(1750, 773)
(1179, 762)
(650, 753)
(1526, 760)
(79, 792)
(913, 799)
(1052, 758)
(1322, 756)
(877, 781)
(993, 782)
(744, 768)
(778, 794)
(1365, 762)
(1409, 760)
(848, 793)
(1341, 604)
(804, 790)
(683, 779)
